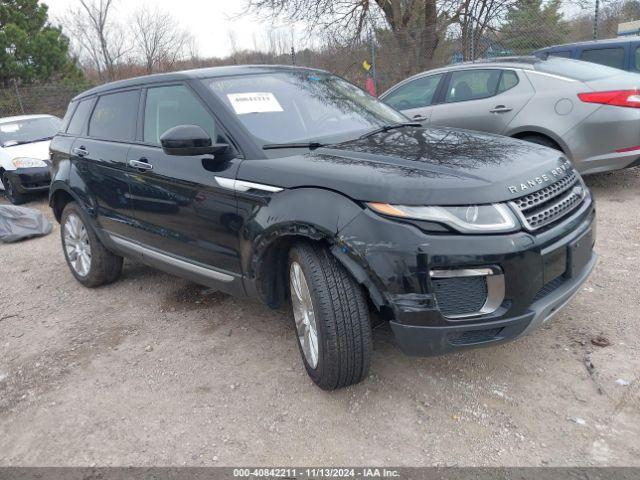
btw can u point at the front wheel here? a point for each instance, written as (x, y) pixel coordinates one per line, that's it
(331, 318)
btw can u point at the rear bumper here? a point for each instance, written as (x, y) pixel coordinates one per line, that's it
(608, 162)
(430, 341)
(30, 180)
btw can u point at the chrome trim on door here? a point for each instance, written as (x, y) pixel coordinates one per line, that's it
(243, 186)
(495, 287)
(169, 260)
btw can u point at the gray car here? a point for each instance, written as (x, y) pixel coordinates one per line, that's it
(590, 112)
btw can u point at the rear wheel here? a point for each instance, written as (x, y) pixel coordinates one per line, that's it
(541, 140)
(11, 191)
(331, 318)
(89, 261)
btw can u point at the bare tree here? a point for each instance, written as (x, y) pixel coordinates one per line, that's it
(158, 41)
(477, 18)
(98, 38)
(417, 26)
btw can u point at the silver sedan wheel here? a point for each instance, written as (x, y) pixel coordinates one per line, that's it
(76, 244)
(303, 314)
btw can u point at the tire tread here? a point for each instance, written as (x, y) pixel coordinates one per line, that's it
(343, 309)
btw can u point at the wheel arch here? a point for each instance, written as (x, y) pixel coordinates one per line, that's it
(59, 196)
(535, 130)
(312, 215)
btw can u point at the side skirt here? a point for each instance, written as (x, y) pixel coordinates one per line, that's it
(222, 280)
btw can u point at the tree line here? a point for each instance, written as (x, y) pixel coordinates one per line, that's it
(90, 42)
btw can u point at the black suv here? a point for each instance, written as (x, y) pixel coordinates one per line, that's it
(291, 184)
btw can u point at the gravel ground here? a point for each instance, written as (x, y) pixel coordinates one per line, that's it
(153, 370)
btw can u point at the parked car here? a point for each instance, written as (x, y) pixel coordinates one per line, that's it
(292, 185)
(622, 53)
(589, 112)
(24, 155)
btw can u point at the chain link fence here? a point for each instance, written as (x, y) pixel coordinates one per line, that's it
(33, 99)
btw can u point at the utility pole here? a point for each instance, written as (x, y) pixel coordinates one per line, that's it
(15, 85)
(374, 72)
(595, 20)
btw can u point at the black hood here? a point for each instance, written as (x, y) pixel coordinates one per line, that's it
(416, 166)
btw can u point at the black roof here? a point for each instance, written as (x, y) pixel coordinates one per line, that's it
(210, 72)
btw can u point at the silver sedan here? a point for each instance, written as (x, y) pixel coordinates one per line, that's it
(588, 111)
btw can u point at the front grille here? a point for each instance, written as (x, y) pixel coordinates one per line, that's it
(472, 337)
(458, 296)
(550, 204)
(548, 288)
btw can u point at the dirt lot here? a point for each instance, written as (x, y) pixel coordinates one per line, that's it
(153, 370)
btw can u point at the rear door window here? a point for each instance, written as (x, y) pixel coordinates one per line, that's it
(80, 116)
(611, 57)
(415, 94)
(636, 60)
(114, 117)
(474, 84)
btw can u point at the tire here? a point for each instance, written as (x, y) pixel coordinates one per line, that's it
(102, 266)
(541, 140)
(11, 192)
(339, 312)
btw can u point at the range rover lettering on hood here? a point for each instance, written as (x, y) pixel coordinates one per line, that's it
(553, 174)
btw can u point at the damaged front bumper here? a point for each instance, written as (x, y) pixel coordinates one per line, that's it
(530, 278)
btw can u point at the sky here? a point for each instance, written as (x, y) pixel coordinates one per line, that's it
(209, 21)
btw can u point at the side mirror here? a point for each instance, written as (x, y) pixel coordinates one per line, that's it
(189, 140)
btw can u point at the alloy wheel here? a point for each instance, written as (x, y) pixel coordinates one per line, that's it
(77, 246)
(304, 314)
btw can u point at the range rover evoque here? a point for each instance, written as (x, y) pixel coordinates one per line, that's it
(292, 185)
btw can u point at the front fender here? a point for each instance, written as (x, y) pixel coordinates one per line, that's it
(307, 212)
(273, 224)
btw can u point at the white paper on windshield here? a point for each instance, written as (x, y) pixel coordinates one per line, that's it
(9, 127)
(254, 102)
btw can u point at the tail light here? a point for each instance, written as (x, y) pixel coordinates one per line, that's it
(618, 98)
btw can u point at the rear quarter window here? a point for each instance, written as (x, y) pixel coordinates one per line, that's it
(79, 118)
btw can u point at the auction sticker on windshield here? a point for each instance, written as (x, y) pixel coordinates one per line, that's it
(254, 102)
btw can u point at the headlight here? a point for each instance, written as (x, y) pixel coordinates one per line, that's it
(467, 219)
(25, 162)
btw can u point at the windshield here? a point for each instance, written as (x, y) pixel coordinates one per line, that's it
(302, 106)
(576, 69)
(28, 130)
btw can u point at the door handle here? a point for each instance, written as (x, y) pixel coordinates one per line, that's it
(501, 109)
(419, 118)
(141, 164)
(80, 151)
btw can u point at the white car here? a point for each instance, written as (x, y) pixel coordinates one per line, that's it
(24, 154)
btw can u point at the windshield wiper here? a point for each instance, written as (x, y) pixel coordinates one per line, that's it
(309, 145)
(393, 126)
